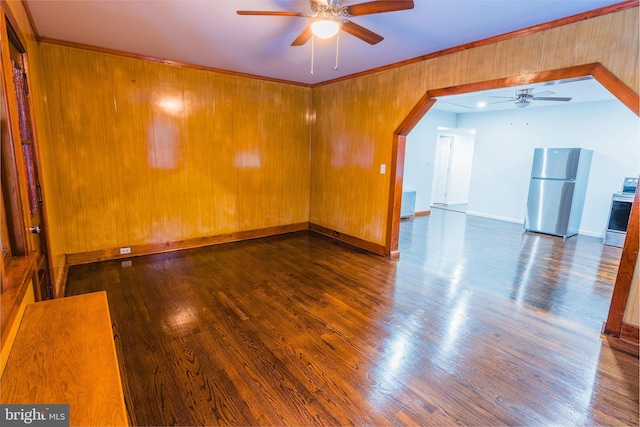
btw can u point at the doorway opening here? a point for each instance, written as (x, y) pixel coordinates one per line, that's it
(596, 71)
(452, 171)
(614, 326)
(442, 170)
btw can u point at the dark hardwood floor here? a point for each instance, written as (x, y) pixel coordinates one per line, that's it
(477, 324)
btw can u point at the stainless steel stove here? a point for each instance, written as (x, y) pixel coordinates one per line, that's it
(621, 203)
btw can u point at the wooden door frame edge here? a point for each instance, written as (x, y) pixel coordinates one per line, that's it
(615, 319)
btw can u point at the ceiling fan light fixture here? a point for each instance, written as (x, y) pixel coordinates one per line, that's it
(325, 28)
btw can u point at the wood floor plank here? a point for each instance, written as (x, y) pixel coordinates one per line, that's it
(478, 323)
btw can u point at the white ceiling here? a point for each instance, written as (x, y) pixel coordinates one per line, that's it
(209, 32)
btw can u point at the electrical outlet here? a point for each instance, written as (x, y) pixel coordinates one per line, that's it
(124, 251)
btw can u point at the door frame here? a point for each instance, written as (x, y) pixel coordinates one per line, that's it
(10, 31)
(437, 164)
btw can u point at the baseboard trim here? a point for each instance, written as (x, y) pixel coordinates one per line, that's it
(630, 333)
(422, 213)
(156, 248)
(350, 240)
(589, 233)
(628, 341)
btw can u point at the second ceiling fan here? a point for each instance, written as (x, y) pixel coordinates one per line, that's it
(524, 97)
(331, 14)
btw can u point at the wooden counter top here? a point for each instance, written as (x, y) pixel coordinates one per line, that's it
(19, 273)
(64, 353)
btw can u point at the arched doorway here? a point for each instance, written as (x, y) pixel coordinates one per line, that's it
(620, 90)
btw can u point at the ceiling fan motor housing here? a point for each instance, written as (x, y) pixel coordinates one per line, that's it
(332, 10)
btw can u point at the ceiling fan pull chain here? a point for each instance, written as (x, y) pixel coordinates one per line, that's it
(313, 39)
(337, 48)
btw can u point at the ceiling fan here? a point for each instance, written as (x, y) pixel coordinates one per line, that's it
(331, 15)
(524, 97)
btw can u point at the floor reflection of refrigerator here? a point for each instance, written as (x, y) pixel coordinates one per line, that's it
(557, 189)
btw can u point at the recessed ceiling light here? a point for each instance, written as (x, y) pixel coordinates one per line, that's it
(481, 104)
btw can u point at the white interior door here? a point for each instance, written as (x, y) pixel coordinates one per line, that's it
(441, 171)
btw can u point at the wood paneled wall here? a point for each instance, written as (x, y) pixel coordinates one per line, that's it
(135, 152)
(356, 118)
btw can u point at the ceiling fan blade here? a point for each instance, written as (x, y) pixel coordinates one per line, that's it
(457, 105)
(380, 6)
(505, 97)
(303, 37)
(361, 32)
(550, 98)
(546, 92)
(268, 13)
(500, 102)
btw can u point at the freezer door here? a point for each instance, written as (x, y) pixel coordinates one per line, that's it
(555, 163)
(549, 207)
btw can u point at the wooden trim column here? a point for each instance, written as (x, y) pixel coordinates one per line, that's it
(613, 325)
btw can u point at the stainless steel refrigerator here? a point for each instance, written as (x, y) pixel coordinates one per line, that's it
(557, 190)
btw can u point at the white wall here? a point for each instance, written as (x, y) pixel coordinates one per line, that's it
(504, 147)
(420, 156)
